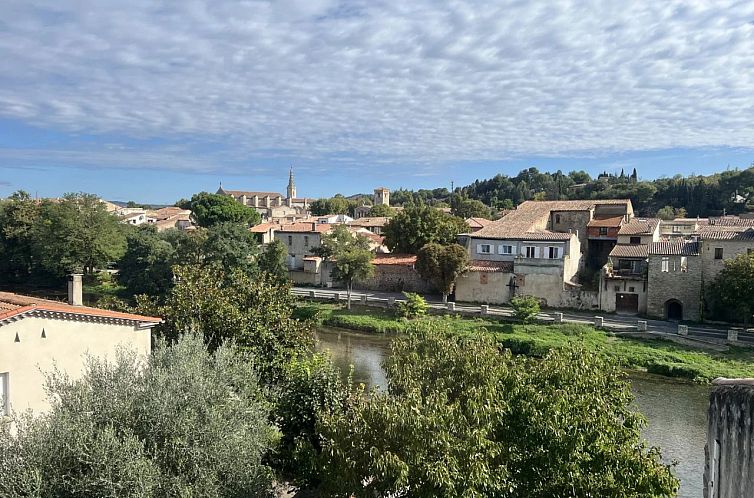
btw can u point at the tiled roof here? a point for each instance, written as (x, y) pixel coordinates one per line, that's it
(478, 222)
(726, 233)
(610, 222)
(12, 305)
(630, 251)
(674, 248)
(532, 216)
(731, 221)
(248, 193)
(305, 226)
(168, 212)
(375, 221)
(395, 259)
(264, 227)
(491, 266)
(638, 226)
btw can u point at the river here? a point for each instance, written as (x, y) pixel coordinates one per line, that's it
(676, 412)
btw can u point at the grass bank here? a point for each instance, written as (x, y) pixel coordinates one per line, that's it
(655, 356)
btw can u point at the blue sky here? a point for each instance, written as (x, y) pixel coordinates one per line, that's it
(153, 101)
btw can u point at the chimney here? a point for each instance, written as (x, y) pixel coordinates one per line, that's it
(75, 290)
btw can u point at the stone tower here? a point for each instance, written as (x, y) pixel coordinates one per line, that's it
(291, 186)
(381, 196)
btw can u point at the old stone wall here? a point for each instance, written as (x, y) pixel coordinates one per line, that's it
(610, 287)
(396, 278)
(682, 286)
(729, 452)
(483, 287)
(574, 221)
(579, 299)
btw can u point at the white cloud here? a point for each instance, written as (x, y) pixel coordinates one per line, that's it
(422, 81)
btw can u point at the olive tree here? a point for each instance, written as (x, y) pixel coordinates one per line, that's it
(463, 418)
(184, 422)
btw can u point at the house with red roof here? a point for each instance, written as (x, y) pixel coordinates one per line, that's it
(39, 335)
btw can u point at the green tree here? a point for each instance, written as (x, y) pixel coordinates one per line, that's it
(734, 287)
(273, 260)
(19, 214)
(414, 306)
(525, 307)
(186, 423)
(333, 205)
(463, 207)
(146, 266)
(350, 254)
(442, 265)
(212, 209)
(381, 210)
(230, 246)
(77, 233)
(416, 226)
(666, 213)
(462, 418)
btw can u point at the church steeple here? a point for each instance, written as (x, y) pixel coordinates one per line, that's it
(291, 192)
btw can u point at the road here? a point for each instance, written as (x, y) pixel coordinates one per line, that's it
(615, 322)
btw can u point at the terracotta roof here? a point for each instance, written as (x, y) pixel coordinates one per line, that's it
(674, 248)
(305, 226)
(478, 222)
(639, 226)
(168, 212)
(247, 193)
(532, 216)
(630, 251)
(491, 266)
(731, 221)
(375, 221)
(395, 259)
(17, 304)
(264, 227)
(610, 222)
(726, 233)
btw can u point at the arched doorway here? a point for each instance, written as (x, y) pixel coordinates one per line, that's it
(674, 310)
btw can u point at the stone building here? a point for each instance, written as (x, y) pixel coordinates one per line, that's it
(272, 205)
(381, 196)
(674, 274)
(396, 273)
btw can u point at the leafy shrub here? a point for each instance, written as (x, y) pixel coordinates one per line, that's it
(413, 307)
(525, 307)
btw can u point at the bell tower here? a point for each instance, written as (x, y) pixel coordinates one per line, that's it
(291, 192)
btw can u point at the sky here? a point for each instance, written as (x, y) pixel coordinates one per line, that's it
(153, 101)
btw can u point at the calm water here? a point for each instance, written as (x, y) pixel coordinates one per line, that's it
(677, 412)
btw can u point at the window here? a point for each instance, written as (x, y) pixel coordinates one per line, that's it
(505, 249)
(684, 264)
(635, 240)
(557, 218)
(603, 230)
(290, 240)
(631, 289)
(531, 251)
(676, 228)
(665, 265)
(718, 253)
(306, 241)
(4, 401)
(553, 253)
(484, 249)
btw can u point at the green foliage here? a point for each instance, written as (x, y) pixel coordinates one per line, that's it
(463, 207)
(273, 260)
(462, 418)
(351, 255)
(186, 423)
(146, 266)
(212, 209)
(255, 312)
(414, 306)
(668, 213)
(230, 246)
(339, 240)
(416, 226)
(311, 386)
(442, 265)
(19, 214)
(333, 205)
(733, 289)
(525, 307)
(381, 210)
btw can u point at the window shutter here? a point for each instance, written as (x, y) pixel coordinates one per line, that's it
(479, 248)
(500, 249)
(536, 252)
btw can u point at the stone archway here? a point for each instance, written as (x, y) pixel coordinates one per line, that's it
(673, 310)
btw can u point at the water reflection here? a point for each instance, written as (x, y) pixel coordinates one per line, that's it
(676, 412)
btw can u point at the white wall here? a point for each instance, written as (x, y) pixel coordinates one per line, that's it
(65, 345)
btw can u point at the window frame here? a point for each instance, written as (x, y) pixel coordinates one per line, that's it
(4, 394)
(482, 248)
(719, 253)
(665, 264)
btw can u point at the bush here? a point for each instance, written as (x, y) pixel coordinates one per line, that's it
(183, 423)
(413, 307)
(525, 307)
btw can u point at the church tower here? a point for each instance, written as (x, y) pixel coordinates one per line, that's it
(291, 187)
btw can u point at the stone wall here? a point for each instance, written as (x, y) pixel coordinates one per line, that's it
(684, 287)
(729, 452)
(610, 287)
(573, 221)
(579, 299)
(483, 287)
(396, 278)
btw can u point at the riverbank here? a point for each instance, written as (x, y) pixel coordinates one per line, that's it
(653, 355)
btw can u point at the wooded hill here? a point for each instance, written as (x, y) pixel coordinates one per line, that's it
(730, 192)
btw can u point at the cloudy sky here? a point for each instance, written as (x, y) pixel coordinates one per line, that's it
(152, 100)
